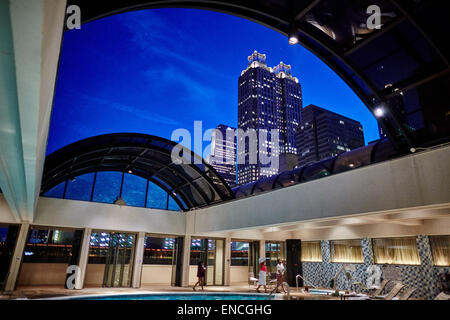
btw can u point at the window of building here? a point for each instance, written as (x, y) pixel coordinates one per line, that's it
(133, 190)
(201, 250)
(173, 205)
(274, 250)
(56, 192)
(80, 188)
(396, 251)
(311, 251)
(48, 246)
(159, 250)
(107, 186)
(239, 253)
(346, 251)
(440, 246)
(98, 247)
(157, 197)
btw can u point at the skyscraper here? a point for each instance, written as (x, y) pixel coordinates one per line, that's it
(325, 134)
(268, 99)
(223, 153)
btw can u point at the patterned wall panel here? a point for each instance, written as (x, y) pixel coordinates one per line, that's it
(424, 277)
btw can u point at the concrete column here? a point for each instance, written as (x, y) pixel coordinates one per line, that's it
(83, 261)
(227, 264)
(138, 258)
(262, 249)
(16, 260)
(186, 258)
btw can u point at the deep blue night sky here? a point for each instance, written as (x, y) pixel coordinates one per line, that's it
(154, 71)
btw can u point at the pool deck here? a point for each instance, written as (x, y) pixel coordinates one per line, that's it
(39, 292)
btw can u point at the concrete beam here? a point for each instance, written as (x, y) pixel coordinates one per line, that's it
(30, 38)
(415, 182)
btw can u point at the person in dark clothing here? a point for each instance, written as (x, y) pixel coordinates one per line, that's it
(201, 269)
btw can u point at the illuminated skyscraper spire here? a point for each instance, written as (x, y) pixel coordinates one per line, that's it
(258, 57)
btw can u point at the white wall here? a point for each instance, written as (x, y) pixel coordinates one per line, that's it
(412, 181)
(153, 274)
(94, 275)
(94, 215)
(35, 274)
(6, 216)
(238, 274)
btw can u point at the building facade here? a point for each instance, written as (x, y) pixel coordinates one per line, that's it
(324, 134)
(269, 101)
(223, 153)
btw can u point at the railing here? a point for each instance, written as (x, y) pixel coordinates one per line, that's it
(281, 284)
(299, 276)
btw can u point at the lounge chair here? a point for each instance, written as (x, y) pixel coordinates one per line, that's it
(395, 290)
(380, 288)
(272, 280)
(407, 294)
(252, 279)
(442, 296)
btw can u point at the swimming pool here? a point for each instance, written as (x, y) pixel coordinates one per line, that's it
(176, 296)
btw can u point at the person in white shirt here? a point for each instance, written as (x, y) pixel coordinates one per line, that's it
(280, 272)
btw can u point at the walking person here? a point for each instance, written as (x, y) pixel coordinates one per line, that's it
(201, 269)
(280, 272)
(262, 274)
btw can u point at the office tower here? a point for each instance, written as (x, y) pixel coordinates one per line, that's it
(223, 153)
(324, 134)
(268, 99)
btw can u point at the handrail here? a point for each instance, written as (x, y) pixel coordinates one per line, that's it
(299, 276)
(281, 284)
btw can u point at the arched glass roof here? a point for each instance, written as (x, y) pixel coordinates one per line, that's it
(402, 67)
(376, 152)
(136, 159)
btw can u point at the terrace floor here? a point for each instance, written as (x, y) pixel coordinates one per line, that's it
(38, 292)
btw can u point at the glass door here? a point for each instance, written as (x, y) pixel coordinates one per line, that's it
(210, 252)
(211, 258)
(253, 257)
(218, 267)
(119, 260)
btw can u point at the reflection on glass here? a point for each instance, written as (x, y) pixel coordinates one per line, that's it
(56, 192)
(133, 190)
(157, 197)
(48, 246)
(274, 250)
(158, 250)
(116, 252)
(173, 205)
(107, 186)
(239, 253)
(80, 188)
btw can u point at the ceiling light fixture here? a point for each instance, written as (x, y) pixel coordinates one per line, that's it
(293, 35)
